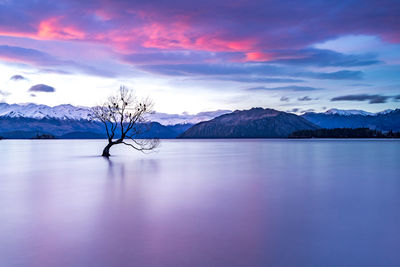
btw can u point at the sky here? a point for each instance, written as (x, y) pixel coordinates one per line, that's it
(193, 56)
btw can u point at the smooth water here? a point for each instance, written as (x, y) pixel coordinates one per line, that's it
(200, 203)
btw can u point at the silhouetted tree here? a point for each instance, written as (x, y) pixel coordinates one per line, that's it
(124, 118)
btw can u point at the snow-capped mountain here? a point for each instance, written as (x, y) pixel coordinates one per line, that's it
(70, 112)
(184, 118)
(30, 110)
(386, 111)
(349, 112)
(385, 120)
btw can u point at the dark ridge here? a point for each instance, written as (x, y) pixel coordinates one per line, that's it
(253, 123)
(344, 133)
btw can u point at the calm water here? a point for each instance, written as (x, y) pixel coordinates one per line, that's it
(200, 203)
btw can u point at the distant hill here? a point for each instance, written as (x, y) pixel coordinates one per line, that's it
(27, 128)
(386, 120)
(83, 135)
(23, 134)
(344, 133)
(253, 123)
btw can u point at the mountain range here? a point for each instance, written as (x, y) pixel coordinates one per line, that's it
(253, 123)
(349, 112)
(68, 121)
(70, 112)
(385, 121)
(269, 123)
(25, 128)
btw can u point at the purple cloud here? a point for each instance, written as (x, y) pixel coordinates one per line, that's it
(4, 93)
(327, 58)
(261, 42)
(293, 110)
(42, 88)
(234, 71)
(305, 98)
(289, 88)
(49, 63)
(252, 79)
(337, 75)
(239, 26)
(18, 78)
(28, 55)
(372, 99)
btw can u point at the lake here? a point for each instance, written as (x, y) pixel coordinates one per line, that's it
(200, 203)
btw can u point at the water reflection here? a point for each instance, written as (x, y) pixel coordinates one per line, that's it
(200, 203)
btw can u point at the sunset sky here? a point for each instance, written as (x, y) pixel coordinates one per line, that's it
(192, 56)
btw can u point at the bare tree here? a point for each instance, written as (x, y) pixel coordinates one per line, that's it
(124, 118)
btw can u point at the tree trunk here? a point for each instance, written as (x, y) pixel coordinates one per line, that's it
(106, 150)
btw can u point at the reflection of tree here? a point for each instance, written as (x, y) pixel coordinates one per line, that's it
(113, 169)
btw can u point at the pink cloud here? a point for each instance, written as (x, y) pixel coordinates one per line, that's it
(252, 29)
(258, 56)
(53, 29)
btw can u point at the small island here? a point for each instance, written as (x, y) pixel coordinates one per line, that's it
(344, 133)
(44, 136)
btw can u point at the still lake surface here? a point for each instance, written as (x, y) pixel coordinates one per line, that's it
(200, 203)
